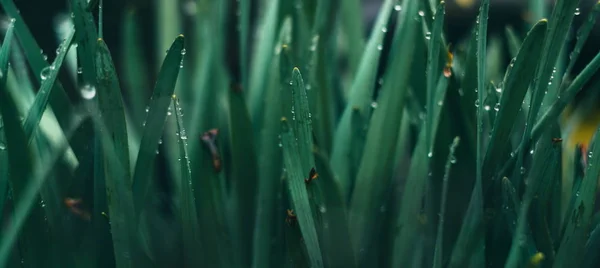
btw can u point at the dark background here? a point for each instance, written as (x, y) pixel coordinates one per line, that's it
(40, 16)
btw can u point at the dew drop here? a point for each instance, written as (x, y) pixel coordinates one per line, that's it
(88, 92)
(428, 35)
(160, 141)
(147, 109)
(590, 154)
(499, 89)
(384, 29)
(379, 47)
(531, 151)
(374, 105)
(577, 12)
(421, 13)
(183, 51)
(398, 7)
(476, 103)
(322, 209)
(486, 107)
(2, 146)
(45, 73)
(522, 170)
(430, 154)
(452, 159)
(497, 107)
(79, 70)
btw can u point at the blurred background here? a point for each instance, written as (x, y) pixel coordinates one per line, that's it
(44, 17)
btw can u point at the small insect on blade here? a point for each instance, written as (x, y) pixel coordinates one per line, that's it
(312, 175)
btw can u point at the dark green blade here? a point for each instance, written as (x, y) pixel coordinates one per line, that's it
(468, 248)
(299, 160)
(58, 97)
(260, 63)
(337, 245)
(155, 121)
(359, 104)
(579, 221)
(582, 35)
(516, 81)
(410, 206)
(243, 173)
(27, 215)
(539, 178)
(558, 28)
(376, 166)
(269, 159)
(433, 69)
(113, 133)
(135, 71)
(187, 211)
(48, 76)
(298, 194)
(34, 238)
(83, 19)
(438, 255)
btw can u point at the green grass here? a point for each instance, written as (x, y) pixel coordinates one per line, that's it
(318, 147)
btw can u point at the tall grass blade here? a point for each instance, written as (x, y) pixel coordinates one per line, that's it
(187, 211)
(560, 22)
(433, 67)
(113, 133)
(243, 173)
(269, 158)
(408, 218)
(31, 49)
(579, 220)
(155, 121)
(470, 240)
(438, 255)
(299, 160)
(582, 36)
(516, 81)
(374, 174)
(260, 62)
(26, 211)
(359, 101)
(48, 75)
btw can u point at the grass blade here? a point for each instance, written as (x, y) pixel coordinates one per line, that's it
(58, 97)
(560, 22)
(359, 101)
(49, 75)
(516, 82)
(539, 177)
(433, 68)
(134, 69)
(582, 35)
(260, 62)
(243, 173)
(578, 225)
(410, 206)
(299, 160)
(388, 115)
(25, 207)
(113, 130)
(187, 212)
(155, 121)
(467, 249)
(269, 159)
(20, 165)
(337, 245)
(437, 258)
(86, 39)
